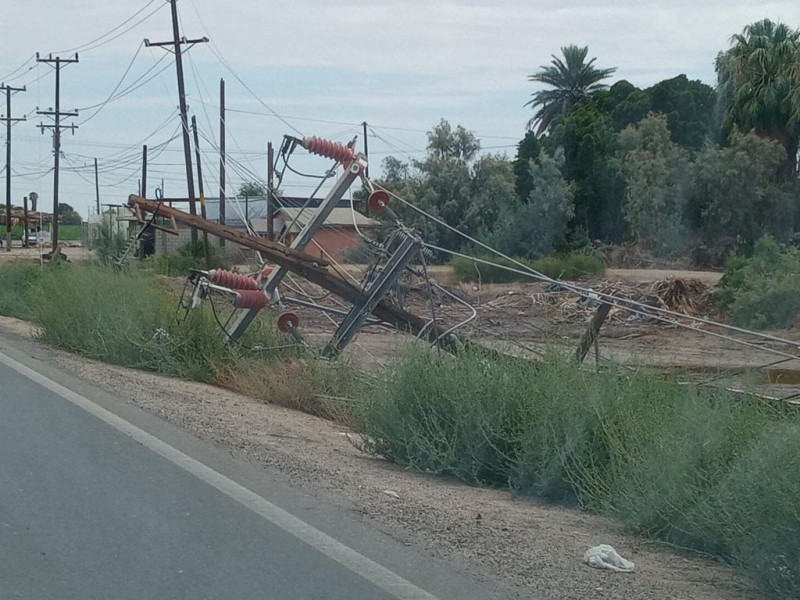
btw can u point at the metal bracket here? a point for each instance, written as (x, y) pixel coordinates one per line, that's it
(303, 239)
(355, 319)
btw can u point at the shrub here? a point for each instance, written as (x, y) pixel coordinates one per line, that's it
(570, 266)
(189, 256)
(706, 471)
(763, 291)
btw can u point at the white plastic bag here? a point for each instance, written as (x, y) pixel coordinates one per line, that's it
(605, 557)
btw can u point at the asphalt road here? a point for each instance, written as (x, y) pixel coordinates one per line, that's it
(99, 502)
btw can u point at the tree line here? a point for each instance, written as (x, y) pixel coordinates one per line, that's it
(678, 169)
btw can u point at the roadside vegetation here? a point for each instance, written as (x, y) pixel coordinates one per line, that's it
(710, 472)
(762, 291)
(131, 318)
(704, 471)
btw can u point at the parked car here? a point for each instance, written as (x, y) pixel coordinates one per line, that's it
(31, 239)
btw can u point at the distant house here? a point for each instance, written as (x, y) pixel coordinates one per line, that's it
(339, 233)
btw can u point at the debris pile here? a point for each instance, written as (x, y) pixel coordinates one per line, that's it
(690, 297)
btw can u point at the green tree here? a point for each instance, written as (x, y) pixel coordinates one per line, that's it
(736, 195)
(655, 186)
(68, 215)
(589, 144)
(688, 106)
(444, 143)
(452, 184)
(537, 225)
(572, 81)
(252, 189)
(528, 149)
(758, 86)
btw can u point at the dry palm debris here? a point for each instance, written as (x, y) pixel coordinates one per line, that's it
(691, 297)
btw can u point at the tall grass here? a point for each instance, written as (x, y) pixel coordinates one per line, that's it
(16, 280)
(125, 317)
(705, 471)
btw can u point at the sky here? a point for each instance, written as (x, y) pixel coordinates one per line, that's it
(316, 67)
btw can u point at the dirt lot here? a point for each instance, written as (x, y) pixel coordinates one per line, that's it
(74, 252)
(529, 319)
(533, 546)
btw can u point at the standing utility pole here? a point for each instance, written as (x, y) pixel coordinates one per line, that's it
(222, 157)
(8, 120)
(57, 127)
(201, 190)
(176, 43)
(366, 150)
(96, 186)
(270, 192)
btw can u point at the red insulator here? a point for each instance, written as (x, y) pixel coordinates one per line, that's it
(250, 299)
(378, 200)
(266, 272)
(288, 321)
(234, 281)
(327, 148)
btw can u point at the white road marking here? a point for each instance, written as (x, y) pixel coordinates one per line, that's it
(380, 576)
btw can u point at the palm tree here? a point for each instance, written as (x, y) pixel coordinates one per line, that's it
(573, 80)
(758, 85)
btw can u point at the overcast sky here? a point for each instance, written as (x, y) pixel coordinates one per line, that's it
(325, 67)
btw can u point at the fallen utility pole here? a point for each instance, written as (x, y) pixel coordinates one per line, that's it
(309, 267)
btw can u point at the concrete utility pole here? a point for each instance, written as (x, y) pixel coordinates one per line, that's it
(176, 43)
(222, 157)
(57, 127)
(8, 120)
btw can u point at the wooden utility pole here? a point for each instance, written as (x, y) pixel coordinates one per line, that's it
(144, 171)
(8, 120)
(366, 150)
(589, 337)
(176, 44)
(25, 221)
(96, 187)
(222, 157)
(311, 268)
(201, 190)
(270, 192)
(57, 127)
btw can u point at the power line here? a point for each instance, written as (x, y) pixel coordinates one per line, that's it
(103, 104)
(10, 76)
(93, 44)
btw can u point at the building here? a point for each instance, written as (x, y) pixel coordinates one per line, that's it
(339, 236)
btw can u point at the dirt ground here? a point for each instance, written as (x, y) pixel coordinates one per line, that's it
(535, 547)
(74, 252)
(530, 319)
